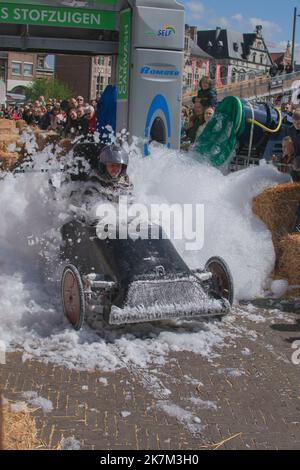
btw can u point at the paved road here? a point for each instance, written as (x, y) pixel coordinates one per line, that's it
(248, 390)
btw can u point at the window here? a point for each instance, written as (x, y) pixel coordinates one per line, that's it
(109, 61)
(16, 68)
(186, 43)
(41, 62)
(235, 46)
(254, 57)
(101, 60)
(28, 69)
(261, 59)
(100, 85)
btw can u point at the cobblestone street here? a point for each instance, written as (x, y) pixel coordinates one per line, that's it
(249, 393)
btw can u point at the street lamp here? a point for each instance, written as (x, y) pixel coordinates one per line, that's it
(294, 36)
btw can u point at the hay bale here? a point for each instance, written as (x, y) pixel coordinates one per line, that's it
(21, 124)
(66, 145)
(19, 430)
(8, 138)
(276, 207)
(8, 160)
(7, 123)
(289, 261)
(44, 138)
(9, 131)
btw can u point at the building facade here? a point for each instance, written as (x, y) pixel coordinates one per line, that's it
(18, 69)
(236, 56)
(22, 68)
(284, 58)
(86, 76)
(196, 60)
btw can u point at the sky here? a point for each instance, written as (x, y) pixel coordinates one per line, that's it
(276, 17)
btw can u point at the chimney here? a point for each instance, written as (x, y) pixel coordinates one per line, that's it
(218, 32)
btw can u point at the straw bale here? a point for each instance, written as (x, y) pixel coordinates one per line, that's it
(19, 430)
(21, 124)
(7, 123)
(8, 139)
(66, 145)
(44, 138)
(276, 207)
(8, 160)
(289, 261)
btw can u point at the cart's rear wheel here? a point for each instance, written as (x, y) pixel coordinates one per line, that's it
(73, 296)
(222, 282)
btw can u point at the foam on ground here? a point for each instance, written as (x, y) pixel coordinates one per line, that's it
(31, 314)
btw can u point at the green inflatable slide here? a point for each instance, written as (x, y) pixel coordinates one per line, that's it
(218, 140)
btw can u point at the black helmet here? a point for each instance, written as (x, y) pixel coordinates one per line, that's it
(112, 154)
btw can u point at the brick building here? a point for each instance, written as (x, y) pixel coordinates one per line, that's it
(21, 68)
(283, 57)
(86, 76)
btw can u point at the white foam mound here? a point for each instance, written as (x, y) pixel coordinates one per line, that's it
(31, 318)
(230, 229)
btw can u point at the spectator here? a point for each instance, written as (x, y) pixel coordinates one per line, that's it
(65, 106)
(294, 132)
(285, 161)
(36, 117)
(94, 103)
(184, 120)
(73, 103)
(46, 119)
(195, 121)
(208, 114)
(83, 122)
(56, 119)
(91, 116)
(207, 94)
(71, 128)
(27, 115)
(273, 70)
(281, 68)
(42, 100)
(80, 101)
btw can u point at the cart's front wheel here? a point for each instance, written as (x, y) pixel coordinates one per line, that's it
(222, 282)
(73, 296)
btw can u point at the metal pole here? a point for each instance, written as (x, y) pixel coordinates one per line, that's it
(294, 38)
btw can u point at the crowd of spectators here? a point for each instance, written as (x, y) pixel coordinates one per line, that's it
(193, 120)
(280, 69)
(70, 118)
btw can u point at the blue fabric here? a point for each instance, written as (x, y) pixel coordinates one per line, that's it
(107, 112)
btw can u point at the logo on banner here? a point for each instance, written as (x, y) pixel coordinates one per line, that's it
(159, 72)
(164, 32)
